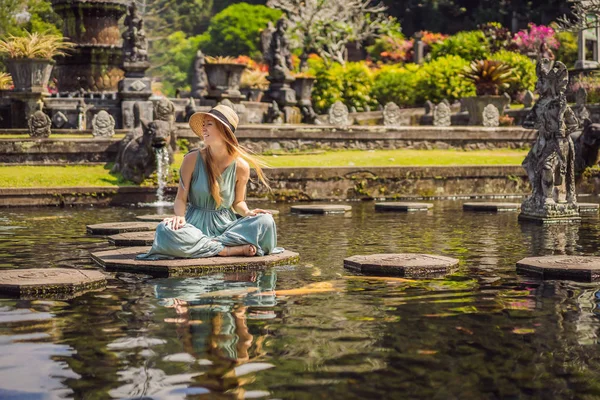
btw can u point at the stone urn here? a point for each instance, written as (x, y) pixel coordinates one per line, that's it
(475, 105)
(303, 87)
(30, 75)
(224, 80)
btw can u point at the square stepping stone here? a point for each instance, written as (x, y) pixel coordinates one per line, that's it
(112, 228)
(402, 264)
(402, 206)
(132, 239)
(491, 206)
(321, 209)
(123, 259)
(575, 268)
(153, 218)
(588, 208)
(57, 283)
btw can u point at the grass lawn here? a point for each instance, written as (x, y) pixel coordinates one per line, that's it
(98, 175)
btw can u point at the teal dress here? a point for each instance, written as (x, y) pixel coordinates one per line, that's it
(209, 229)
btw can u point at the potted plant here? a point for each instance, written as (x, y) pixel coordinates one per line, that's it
(303, 85)
(253, 84)
(29, 59)
(489, 78)
(224, 75)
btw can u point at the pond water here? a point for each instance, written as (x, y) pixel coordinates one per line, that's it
(483, 332)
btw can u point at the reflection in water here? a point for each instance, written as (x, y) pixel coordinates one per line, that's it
(309, 331)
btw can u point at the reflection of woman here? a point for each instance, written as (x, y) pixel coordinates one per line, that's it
(214, 181)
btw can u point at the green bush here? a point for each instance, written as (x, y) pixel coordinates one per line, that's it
(567, 52)
(350, 83)
(523, 68)
(397, 84)
(236, 30)
(441, 79)
(470, 45)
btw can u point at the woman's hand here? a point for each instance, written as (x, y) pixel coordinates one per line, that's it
(175, 222)
(256, 211)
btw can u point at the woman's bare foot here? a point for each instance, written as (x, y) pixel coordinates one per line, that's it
(246, 250)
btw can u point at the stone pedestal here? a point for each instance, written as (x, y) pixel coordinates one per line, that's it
(23, 104)
(475, 106)
(550, 213)
(282, 93)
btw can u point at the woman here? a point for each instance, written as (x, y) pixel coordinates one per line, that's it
(213, 181)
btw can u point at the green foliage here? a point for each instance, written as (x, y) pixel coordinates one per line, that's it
(163, 17)
(42, 18)
(470, 45)
(523, 68)
(350, 83)
(489, 76)
(236, 30)
(567, 52)
(441, 79)
(174, 62)
(397, 84)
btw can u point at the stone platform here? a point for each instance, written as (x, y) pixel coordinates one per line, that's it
(321, 209)
(124, 260)
(132, 239)
(491, 206)
(576, 268)
(57, 283)
(588, 208)
(112, 228)
(402, 206)
(153, 218)
(403, 264)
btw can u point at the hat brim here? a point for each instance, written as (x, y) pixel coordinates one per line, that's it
(197, 121)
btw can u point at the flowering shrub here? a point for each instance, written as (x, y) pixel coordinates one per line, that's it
(395, 48)
(497, 36)
(530, 41)
(470, 45)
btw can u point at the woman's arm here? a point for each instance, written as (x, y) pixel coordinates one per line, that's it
(185, 178)
(239, 203)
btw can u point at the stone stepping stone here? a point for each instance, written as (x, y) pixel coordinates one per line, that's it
(402, 206)
(123, 259)
(491, 206)
(132, 239)
(153, 218)
(588, 208)
(576, 268)
(321, 209)
(112, 228)
(58, 283)
(402, 264)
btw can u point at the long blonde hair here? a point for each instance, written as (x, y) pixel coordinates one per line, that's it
(236, 150)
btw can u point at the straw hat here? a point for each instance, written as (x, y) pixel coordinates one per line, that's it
(221, 113)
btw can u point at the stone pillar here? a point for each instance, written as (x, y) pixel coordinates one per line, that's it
(418, 48)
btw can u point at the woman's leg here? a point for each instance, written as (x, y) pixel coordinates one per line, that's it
(259, 231)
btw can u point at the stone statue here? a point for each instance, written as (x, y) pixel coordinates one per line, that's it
(491, 116)
(135, 43)
(199, 78)
(309, 116)
(137, 159)
(428, 107)
(528, 99)
(274, 115)
(103, 124)
(82, 115)
(190, 109)
(39, 124)
(164, 110)
(581, 110)
(338, 114)
(441, 114)
(550, 164)
(278, 57)
(391, 115)
(587, 146)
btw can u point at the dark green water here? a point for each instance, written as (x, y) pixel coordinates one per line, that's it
(482, 333)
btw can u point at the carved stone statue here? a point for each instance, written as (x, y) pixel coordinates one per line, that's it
(274, 115)
(338, 114)
(491, 116)
(309, 116)
(550, 164)
(391, 115)
(190, 108)
(39, 124)
(278, 57)
(103, 124)
(164, 110)
(199, 78)
(135, 43)
(528, 99)
(441, 114)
